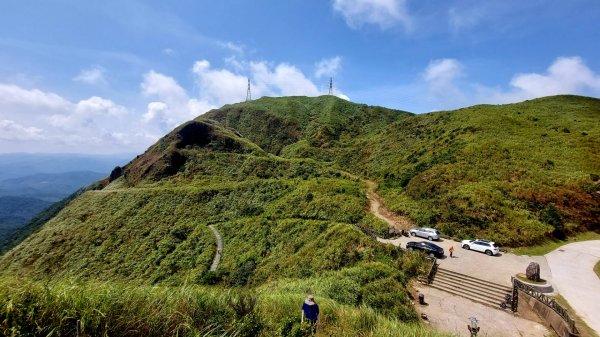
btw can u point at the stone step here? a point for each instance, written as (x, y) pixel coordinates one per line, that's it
(473, 280)
(470, 291)
(476, 299)
(467, 281)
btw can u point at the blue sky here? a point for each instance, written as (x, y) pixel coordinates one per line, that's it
(113, 76)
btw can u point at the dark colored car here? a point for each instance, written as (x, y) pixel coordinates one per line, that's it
(427, 247)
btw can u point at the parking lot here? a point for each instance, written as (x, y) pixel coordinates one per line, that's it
(496, 269)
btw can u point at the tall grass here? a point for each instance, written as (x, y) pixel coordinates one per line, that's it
(66, 308)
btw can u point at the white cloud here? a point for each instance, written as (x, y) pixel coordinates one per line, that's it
(99, 105)
(440, 78)
(236, 48)
(219, 86)
(283, 80)
(328, 67)
(93, 76)
(444, 87)
(12, 131)
(164, 87)
(174, 106)
(384, 13)
(12, 94)
(442, 73)
(168, 51)
(567, 75)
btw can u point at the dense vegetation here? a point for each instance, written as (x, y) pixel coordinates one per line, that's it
(517, 173)
(271, 176)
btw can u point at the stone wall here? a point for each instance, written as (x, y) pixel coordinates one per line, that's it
(547, 314)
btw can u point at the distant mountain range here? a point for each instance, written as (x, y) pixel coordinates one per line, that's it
(29, 183)
(15, 165)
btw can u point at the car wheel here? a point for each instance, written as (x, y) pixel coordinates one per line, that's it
(410, 248)
(488, 252)
(431, 255)
(429, 238)
(413, 233)
(466, 247)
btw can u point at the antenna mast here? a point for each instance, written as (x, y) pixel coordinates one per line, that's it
(331, 85)
(248, 92)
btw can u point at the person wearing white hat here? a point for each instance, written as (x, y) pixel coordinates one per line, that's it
(310, 311)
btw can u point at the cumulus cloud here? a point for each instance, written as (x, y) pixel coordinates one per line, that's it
(440, 78)
(93, 76)
(12, 131)
(99, 105)
(282, 80)
(445, 88)
(12, 94)
(219, 86)
(567, 75)
(174, 105)
(34, 115)
(328, 67)
(384, 13)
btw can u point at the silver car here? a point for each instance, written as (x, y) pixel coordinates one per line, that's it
(428, 233)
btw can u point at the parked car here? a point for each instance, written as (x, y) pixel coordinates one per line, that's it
(427, 247)
(428, 233)
(483, 246)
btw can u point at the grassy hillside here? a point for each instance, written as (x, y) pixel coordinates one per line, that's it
(303, 122)
(516, 173)
(268, 175)
(280, 219)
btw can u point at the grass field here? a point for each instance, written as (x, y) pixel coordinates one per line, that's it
(551, 245)
(584, 329)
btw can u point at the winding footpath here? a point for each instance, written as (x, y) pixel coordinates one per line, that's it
(217, 258)
(573, 276)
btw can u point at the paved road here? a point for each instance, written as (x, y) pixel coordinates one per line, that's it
(217, 258)
(573, 275)
(448, 313)
(497, 269)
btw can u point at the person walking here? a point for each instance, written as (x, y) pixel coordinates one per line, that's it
(451, 250)
(310, 311)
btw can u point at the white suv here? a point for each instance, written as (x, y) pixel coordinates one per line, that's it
(428, 233)
(483, 246)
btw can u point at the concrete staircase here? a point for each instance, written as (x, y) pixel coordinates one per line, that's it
(474, 289)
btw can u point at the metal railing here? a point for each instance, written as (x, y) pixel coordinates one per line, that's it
(548, 301)
(432, 271)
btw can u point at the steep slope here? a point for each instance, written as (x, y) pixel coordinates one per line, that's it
(516, 173)
(149, 221)
(307, 122)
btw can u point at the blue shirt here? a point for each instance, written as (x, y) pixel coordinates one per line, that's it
(311, 311)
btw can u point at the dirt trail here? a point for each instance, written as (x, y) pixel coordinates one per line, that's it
(217, 258)
(377, 209)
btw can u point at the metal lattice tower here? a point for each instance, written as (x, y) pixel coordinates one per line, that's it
(248, 92)
(331, 85)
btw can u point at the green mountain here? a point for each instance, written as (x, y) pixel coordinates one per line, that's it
(529, 169)
(277, 178)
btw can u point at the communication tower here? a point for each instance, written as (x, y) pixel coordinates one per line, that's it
(331, 85)
(248, 92)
